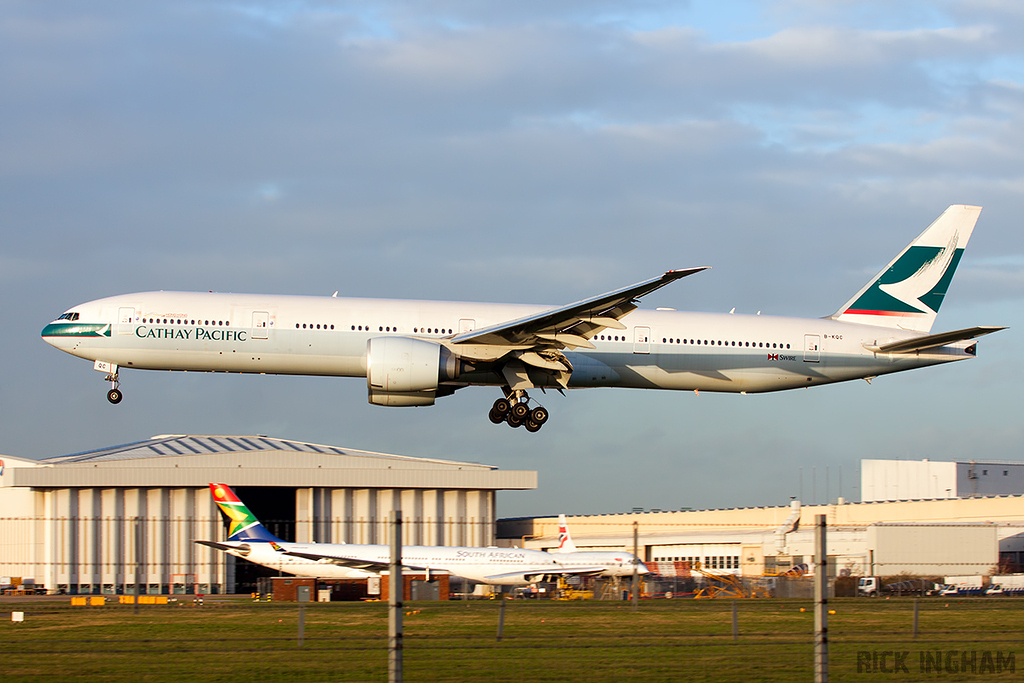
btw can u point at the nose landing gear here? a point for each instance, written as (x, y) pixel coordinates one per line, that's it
(114, 395)
(515, 410)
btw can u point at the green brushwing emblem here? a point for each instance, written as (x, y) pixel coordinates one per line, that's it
(77, 330)
(916, 283)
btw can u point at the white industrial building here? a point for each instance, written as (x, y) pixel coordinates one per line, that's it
(923, 479)
(85, 523)
(924, 537)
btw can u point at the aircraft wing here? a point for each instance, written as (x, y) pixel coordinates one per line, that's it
(351, 562)
(932, 340)
(550, 571)
(575, 322)
(537, 340)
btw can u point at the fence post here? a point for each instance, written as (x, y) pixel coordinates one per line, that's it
(735, 622)
(820, 602)
(395, 596)
(915, 617)
(139, 548)
(501, 618)
(636, 566)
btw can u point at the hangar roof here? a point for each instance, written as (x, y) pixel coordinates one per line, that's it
(184, 444)
(196, 460)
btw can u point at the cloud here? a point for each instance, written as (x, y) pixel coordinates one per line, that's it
(524, 152)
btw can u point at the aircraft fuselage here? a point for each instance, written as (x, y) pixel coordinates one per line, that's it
(328, 336)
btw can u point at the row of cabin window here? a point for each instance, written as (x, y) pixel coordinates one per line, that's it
(366, 328)
(758, 345)
(714, 562)
(173, 321)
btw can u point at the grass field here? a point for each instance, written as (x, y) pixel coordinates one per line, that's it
(679, 640)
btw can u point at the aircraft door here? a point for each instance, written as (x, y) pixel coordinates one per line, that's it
(260, 324)
(812, 348)
(466, 325)
(641, 340)
(125, 319)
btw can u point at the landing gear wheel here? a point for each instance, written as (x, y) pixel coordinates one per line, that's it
(501, 407)
(521, 411)
(496, 418)
(532, 426)
(539, 415)
(514, 421)
(114, 396)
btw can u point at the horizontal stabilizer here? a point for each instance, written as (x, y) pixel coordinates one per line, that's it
(218, 546)
(933, 340)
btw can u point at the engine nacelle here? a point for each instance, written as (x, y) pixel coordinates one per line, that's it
(402, 371)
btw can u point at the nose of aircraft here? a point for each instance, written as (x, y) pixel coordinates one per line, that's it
(51, 335)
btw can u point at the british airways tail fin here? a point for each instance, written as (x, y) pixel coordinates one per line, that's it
(243, 524)
(908, 292)
(565, 544)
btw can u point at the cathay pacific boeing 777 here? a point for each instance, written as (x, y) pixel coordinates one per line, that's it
(412, 352)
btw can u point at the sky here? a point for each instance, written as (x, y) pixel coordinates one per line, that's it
(527, 152)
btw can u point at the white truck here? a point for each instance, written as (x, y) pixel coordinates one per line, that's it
(1006, 584)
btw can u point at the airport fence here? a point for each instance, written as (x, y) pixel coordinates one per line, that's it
(663, 639)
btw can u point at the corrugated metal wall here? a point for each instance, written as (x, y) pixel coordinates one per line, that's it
(85, 540)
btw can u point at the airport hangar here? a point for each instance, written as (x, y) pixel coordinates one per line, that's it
(72, 522)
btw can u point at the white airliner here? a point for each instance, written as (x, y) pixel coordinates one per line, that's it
(412, 352)
(567, 549)
(497, 566)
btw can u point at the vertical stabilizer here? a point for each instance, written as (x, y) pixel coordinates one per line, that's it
(243, 525)
(565, 544)
(908, 292)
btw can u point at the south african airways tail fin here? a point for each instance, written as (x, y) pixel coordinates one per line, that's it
(243, 525)
(908, 292)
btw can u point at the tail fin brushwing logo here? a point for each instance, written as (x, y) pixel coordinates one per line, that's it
(916, 283)
(908, 292)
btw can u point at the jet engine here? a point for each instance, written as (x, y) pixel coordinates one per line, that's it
(402, 371)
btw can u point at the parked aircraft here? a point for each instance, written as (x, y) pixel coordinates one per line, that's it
(412, 352)
(568, 555)
(248, 538)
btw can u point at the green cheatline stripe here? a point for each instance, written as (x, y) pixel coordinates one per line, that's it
(76, 330)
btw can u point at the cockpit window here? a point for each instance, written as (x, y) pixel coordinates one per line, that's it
(69, 316)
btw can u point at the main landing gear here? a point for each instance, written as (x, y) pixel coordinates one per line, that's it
(114, 395)
(515, 410)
